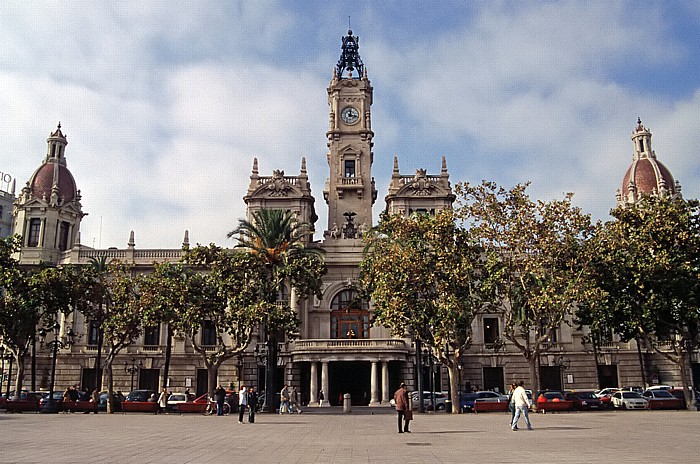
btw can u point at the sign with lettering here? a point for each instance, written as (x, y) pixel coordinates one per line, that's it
(5, 181)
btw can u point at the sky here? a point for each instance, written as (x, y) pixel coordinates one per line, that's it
(166, 103)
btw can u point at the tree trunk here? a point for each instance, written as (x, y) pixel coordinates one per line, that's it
(454, 388)
(19, 380)
(682, 364)
(211, 374)
(534, 375)
(641, 361)
(168, 353)
(110, 383)
(98, 370)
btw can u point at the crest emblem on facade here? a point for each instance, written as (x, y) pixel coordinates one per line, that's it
(420, 184)
(278, 185)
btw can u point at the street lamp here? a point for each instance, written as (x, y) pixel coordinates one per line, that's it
(239, 368)
(132, 368)
(54, 345)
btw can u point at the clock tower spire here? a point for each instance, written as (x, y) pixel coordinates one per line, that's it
(350, 191)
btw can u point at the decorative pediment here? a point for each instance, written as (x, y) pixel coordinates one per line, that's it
(278, 186)
(421, 185)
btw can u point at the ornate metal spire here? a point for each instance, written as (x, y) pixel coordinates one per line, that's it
(350, 58)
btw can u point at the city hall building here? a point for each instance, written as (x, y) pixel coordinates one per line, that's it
(338, 350)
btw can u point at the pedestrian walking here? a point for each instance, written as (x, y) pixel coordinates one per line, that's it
(320, 398)
(294, 400)
(252, 404)
(284, 401)
(401, 405)
(220, 397)
(521, 407)
(95, 398)
(163, 401)
(511, 401)
(242, 403)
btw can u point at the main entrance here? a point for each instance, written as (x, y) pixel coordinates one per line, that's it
(349, 377)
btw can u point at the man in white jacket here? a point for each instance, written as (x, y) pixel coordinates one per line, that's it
(521, 407)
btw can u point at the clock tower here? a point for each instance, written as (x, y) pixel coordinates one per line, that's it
(350, 191)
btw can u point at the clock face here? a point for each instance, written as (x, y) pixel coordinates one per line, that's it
(349, 115)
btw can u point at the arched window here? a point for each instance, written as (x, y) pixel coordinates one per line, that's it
(349, 316)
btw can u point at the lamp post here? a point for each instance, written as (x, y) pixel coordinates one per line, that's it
(2, 369)
(132, 368)
(419, 363)
(54, 345)
(239, 369)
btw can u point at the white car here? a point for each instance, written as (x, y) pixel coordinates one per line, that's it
(176, 398)
(629, 400)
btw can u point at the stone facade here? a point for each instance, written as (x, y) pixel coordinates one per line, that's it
(338, 350)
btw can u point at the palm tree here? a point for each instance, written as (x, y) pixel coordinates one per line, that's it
(279, 240)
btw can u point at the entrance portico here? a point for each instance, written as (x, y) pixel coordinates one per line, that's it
(363, 368)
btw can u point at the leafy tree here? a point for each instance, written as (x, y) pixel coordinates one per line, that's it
(648, 265)
(422, 274)
(280, 242)
(535, 261)
(122, 322)
(165, 296)
(230, 294)
(29, 298)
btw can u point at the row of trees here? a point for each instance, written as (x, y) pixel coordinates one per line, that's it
(537, 264)
(232, 291)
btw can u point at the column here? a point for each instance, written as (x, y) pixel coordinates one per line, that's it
(313, 388)
(374, 385)
(385, 383)
(324, 383)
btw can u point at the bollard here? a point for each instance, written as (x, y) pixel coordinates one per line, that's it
(346, 403)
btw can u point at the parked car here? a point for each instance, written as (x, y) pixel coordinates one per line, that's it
(629, 400)
(26, 401)
(117, 400)
(467, 400)
(140, 395)
(584, 400)
(553, 400)
(176, 398)
(634, 388)
(57, 398)
(605, 396)
(440, 398)
(660, 387)
(678, 393)
(663, 399)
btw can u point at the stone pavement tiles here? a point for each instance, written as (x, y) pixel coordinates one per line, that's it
(367, 435)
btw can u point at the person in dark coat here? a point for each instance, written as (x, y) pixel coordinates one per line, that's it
(402, 407)
(252, 404)
(220, 397)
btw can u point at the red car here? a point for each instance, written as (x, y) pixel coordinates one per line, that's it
(663, 399)
(551, 400)
(25, 402)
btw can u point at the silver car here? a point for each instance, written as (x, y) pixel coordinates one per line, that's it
(629, 400)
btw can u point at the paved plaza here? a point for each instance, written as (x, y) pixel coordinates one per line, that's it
(364, 436)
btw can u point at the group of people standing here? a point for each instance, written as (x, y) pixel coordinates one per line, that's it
(247, 399)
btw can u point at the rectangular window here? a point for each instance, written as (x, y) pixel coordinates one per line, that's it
(92, 334)
(208, 333)
(63, 236)
(151, 336)
(34, 229)
(490, 330)
(349, 168)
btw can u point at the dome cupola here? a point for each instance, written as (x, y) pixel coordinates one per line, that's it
(646, 175)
